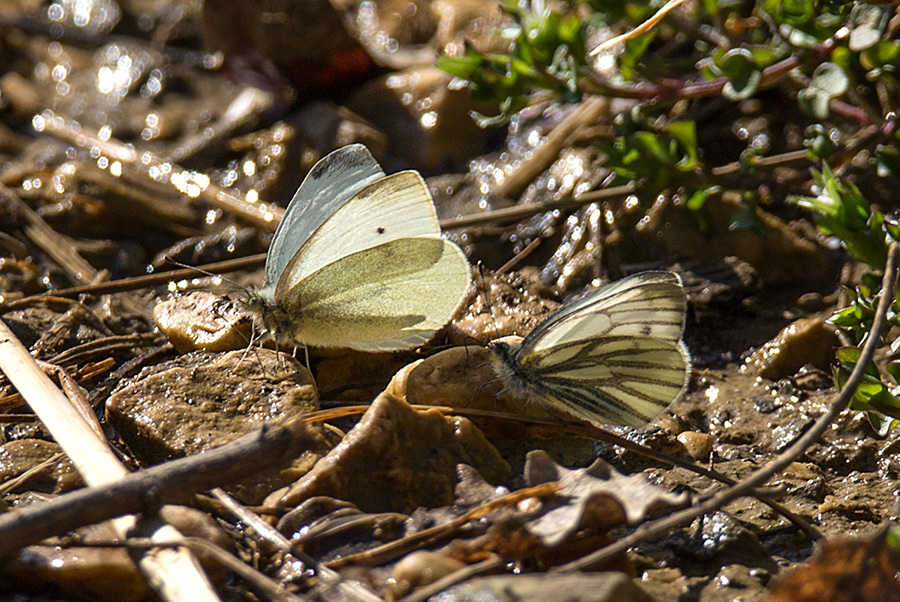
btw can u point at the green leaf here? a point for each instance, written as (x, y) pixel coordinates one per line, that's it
(831, 78)
(634, 50)
(893, 368)
(744, 75)
(649, 143)
(818, 142)
(685, 133)
(869, 24)
(887, 161)
(696, 200)
(843, 211)
(884, 54)
(881, 423)
(746, 218)
(893, 537)
(829, 81)
(881, 404)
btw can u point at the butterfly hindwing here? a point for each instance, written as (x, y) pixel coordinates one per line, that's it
(414, 290)
(612, 380)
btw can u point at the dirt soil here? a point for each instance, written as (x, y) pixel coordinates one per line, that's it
(146, 134)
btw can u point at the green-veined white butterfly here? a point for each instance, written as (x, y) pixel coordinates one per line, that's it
(358, 260)
(614, 356)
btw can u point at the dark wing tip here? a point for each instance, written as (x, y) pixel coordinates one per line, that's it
(346, 157)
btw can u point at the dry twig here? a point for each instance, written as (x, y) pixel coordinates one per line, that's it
(759, 477)
(174, 573)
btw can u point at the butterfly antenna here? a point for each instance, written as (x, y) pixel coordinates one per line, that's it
(486, 300)
(206, 273)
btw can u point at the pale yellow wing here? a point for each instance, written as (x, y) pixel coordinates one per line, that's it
(388, 297)
(394, 207)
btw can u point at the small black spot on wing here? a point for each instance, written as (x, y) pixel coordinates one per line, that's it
(380, 229)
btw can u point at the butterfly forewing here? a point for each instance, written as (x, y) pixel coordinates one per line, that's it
(394, 207)
(612, 380)
(649, 304)
(330, 184)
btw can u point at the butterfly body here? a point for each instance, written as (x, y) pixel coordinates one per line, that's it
(612, 357)
(358, 260)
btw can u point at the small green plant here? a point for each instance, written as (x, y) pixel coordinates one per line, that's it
(725, 52)
(657, 159)
(865, 232)
(547, 51)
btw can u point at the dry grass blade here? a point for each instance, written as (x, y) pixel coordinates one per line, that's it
(174, 573)
(23, 478)
(549, 150)
(75, 396)
(51, 242)
(642, 28)
(259, 214)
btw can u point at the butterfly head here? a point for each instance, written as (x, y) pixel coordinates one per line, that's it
(269, 317)
(504, 361)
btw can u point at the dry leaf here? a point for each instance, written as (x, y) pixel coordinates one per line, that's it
(396, 459)
(599, 497)
(858, 570)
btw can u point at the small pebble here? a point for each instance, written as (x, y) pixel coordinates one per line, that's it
(697, 445)
(421, 568)
(802, 342)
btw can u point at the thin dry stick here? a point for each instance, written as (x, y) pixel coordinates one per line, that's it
(541, 157)
(138, 282)
(758, 478)
(642, 28)
(264, 215)
(522, 211)
(174, 573)
(518, 257)
(51, 242)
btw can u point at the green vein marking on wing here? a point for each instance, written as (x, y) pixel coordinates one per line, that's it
(618, 380)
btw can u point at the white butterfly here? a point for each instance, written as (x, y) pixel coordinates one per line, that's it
(614, 356)
(358, 260)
